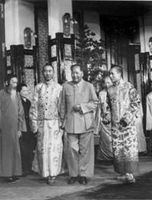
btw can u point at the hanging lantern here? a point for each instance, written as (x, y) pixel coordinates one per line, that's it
(27, 37)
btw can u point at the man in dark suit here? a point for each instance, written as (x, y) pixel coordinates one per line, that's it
(27, 139)
(78, 105)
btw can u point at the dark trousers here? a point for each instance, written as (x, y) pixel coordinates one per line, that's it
(27, 146)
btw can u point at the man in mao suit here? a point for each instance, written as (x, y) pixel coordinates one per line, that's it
(78, 105)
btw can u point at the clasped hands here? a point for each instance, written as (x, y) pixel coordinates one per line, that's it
(106, 119)
(122, 123)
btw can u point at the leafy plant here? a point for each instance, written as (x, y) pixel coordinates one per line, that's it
(89, 52)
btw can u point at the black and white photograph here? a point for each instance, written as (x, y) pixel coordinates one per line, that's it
(75, 100)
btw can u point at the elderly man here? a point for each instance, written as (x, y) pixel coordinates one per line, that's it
(78, 104)
(11, 116)
(44, 114)
(124, 103)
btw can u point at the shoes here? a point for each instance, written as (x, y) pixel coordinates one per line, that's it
(127, 178)
(83, 180)
(51, 180)
(12, 179)
(130, 178)
(72, 180)
(25, 173)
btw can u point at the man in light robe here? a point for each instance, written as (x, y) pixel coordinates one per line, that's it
(124, 104)
(44, 114)
(11, 115)
(78, 105)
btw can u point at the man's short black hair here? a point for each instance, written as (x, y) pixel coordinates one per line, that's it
(118, 68)
(76, 65)
(47, 64)
(9, 77)
(20, 86)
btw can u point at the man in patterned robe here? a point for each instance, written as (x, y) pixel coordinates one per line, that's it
(45, 122)
(124, 103)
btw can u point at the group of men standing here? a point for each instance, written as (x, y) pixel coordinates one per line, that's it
(71, 109)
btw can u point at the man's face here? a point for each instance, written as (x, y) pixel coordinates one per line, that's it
(13, 83)
(76, 74)
(24, 92)
(48, 73)
(115, 75)
(108, 82)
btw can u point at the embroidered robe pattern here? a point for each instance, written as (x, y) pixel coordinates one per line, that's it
(45, 119)
(124, 104)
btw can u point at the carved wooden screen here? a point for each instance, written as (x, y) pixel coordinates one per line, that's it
(61, 56)
(23, 63)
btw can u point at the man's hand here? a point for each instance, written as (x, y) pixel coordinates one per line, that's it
(77, 108)
(106, 119)
(62, 126)
(123, 123)
(35, 133)
(19, 133)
